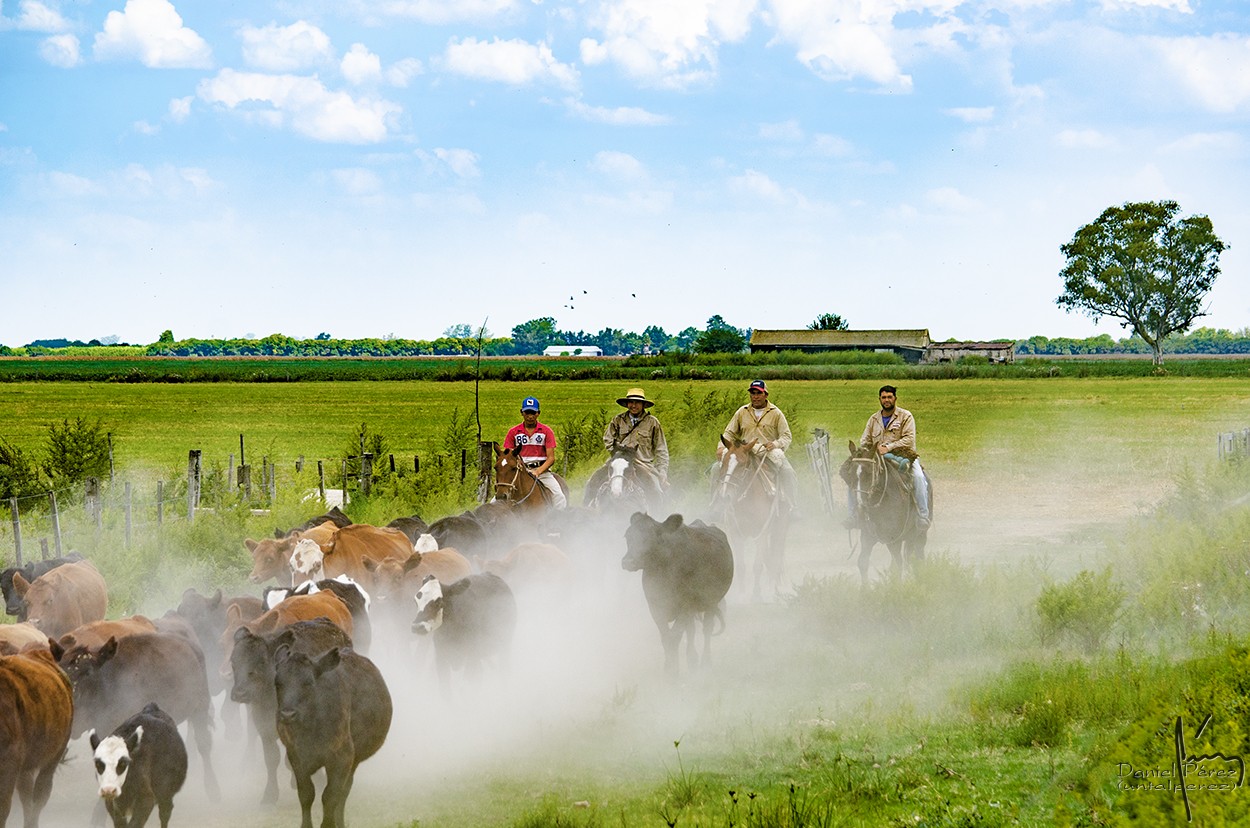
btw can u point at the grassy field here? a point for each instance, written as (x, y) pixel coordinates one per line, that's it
(935, 700)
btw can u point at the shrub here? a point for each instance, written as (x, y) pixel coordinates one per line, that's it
(75, 450)
(1085, 608)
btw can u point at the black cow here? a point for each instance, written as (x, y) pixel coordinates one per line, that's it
(253, 668)
(334, 515)
(140, 766)
(333, 712)
(13, 603)
(125, 674)
(412, 526)
(472, 620)
(464, 533)
(686, 572)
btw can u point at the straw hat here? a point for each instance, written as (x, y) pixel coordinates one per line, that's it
(635, 395)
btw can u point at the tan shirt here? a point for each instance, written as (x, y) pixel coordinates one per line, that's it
(646, 438)
(900, 434)
(770, 428)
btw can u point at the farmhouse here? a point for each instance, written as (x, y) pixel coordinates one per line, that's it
(913, 345)
(573, 350)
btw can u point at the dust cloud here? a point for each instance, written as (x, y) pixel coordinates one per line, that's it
(585, 697)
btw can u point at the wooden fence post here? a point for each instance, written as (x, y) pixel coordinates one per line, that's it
(43, 548)
(92, 500)
(128, 505)
(242, 458)
(366, 473)
(299, 464)
(416, 463)
(245, 480)
(464, 464)
(273, 482)
(344, 481)
(56, 522)
(231, 474)
(193, 482)
(17, 529)
(160, 502)
(264, 475)
(110, 439)
(485, 465)
(321, 481)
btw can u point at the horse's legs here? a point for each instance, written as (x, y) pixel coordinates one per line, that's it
(865, 558)
(896, 558)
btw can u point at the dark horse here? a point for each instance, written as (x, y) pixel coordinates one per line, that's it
(623, 485)
(747, 503)
(887, 513)
(517, 485)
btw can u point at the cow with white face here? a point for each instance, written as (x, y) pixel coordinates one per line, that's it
(471, 621)
(140, 766)
(307, 562)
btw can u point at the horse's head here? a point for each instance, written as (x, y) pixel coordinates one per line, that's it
(510, 474)
(735, 460)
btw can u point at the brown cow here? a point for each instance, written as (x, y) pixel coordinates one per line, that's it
(14, 638)
(36, 716)
(395, 582)
(95, 634)
(296, 608)
(64, 598)
(345, 551)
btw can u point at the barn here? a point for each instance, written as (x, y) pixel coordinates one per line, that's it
(911, 345)
(573, 350)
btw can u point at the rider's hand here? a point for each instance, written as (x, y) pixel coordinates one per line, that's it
(881, 449)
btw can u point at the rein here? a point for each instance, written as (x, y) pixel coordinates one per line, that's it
(879, 472)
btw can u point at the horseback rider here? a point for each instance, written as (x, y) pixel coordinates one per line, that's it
(637, 431)
(764, 422)
(891, 432)
(537, 446)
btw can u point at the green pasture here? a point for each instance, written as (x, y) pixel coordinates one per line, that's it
(950, 698)
(154, 425)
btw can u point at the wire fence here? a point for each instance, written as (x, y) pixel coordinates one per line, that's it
(56, 521)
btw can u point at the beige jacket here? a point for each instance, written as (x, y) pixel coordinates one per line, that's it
(646, 438)
(898, 438)
(771, 427)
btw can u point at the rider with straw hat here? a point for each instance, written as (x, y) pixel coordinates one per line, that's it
(637, 429)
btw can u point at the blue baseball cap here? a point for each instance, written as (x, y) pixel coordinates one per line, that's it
(529, 404)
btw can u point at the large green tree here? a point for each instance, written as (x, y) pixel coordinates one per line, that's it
(1142, 265)
(533, 336)
(829, 322)
(720, 338)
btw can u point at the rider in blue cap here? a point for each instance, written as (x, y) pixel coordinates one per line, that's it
(537, 445)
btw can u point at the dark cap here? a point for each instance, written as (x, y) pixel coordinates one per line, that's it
(758, 384)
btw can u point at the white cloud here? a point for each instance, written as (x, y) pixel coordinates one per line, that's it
(673, 44)
(303, 104)
(1084, 139)
(357, 181)
(73, 186)
(619, 165)
(758, 185)
(514, 62)
(972, 114)
(832, 146)
(1215, 70)
(152, 32)
(462, 162)
(847, 39)
(401, 72)
(360, 65)
(33, 16)
(61, 50)
(180, 109)
(1169, 5)
(1202, 143)
(446, 11)
(274, 48)
(145, 128)
(616, 116)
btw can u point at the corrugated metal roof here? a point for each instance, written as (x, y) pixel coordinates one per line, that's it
(916, 338)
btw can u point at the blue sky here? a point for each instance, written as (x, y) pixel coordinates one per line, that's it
(400, 166)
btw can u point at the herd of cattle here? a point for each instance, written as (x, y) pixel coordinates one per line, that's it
(296, 656)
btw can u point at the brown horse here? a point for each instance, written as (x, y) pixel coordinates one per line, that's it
(887, 513)
(517, 485)
(747, 502)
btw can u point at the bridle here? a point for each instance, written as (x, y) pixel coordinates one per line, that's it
(512, 486)
(870, 498)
